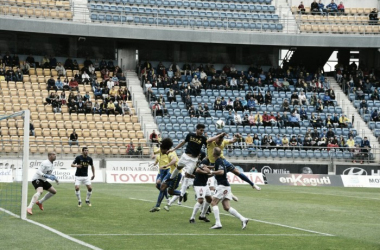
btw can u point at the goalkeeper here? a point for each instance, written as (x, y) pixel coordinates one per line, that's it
(40, 182)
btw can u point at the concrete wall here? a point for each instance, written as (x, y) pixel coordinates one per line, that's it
(181, 35)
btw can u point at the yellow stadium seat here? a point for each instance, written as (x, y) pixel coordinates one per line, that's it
(62, 133)
(102, 133)
(66, 149)
(124, 134)
(360, 11)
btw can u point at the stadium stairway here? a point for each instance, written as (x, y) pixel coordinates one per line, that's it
(80, 11)
(141, 104)
(284, 11)
(350, 110)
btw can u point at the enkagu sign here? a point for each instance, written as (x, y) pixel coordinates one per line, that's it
(304, 180)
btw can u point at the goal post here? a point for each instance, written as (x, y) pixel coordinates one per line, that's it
(14, 188)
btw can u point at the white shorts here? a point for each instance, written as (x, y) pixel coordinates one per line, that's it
(85, 180)
(223, 192)
(188, 162)
(212, 182)
(202, 192)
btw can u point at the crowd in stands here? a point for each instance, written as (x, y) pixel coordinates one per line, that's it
(332, 8)
(114, 100)
(244, 111)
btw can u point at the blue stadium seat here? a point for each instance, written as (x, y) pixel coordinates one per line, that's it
(267, 153)
(238, 152)
(101, 17)
(258, 8)
(288, 153)
(94, 17)
(116, 18)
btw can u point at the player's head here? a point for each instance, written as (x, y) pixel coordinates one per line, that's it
(52, 156)
(85, 151)
(220, 138)
(200, 129)
(217, 152)
(165, 145)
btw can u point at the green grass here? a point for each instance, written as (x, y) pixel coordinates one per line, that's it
(351, 215)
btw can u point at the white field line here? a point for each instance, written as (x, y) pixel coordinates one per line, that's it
(261, 221)
(271, 235)
(54, 231)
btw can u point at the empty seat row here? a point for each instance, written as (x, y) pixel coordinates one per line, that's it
(231, 7)
(362, 29)
(172, 3)
(191, 13)
(39, 13)
(186, 22)
(39, 4)
(317, 19)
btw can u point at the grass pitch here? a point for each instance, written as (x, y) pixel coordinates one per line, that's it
(282, 218)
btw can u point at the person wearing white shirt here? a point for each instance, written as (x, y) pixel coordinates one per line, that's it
(196, 81)
(237, 119)
(125, 107)
(203, 75)
(40, 183)
(302, 99)
(85, 77)
(60, 70)
(233, 83)
(91, 69)
(148, 85)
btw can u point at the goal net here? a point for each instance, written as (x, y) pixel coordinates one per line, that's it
(14, 159)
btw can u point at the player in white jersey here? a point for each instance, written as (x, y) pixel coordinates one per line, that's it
(40, 182)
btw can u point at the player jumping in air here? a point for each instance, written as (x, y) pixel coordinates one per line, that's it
(189, 159)
(220, 142)
(223, 192)
(40, 183)
(82, 162)
(166, 162)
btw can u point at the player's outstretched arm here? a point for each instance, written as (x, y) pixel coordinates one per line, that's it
(177, 147)
(76, 165)
(236, 137)
(214, 138)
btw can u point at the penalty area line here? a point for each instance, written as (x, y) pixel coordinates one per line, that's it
(53, 231)
(261, 221)
(270, 235)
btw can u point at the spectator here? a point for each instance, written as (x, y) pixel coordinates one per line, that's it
(153, 138)
(330, 134)
(319, 106)
(265, 119)
(30, 60)
(375, 116)
(131, 149)
(51, 84)
(373, 19)
(343, 121)
(96, 109)
(278, 86)
(293, 142)
(341, 8)
(327, 100)
(265, 142)
(335, 120)
(237, 119)
(125, 108)
(314, 8)
(357, 154)
(31, 129)
(303, 114)
(302, 99)
(258, 119)
(249, 141)
(285, 142)
(350, 143)
(73, 138)
(171, 95)
(60, 70)
(245, 121)
(278, 142)
(280, 121)
(365, 149)
(294, 98)
(359, 94)
(294, 121)
(111, 108)
(272, 119)
(268, 98)
(321, 7)
(230, 118)
(332, 7)
(314, 100)
(73, 84)
(285, 85)
(59, 84)
(301, 8)
(253, 170)
(251, 119)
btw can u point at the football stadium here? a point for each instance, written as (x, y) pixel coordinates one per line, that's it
(228, 124)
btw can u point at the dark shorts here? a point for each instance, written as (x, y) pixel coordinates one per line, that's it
(173, 184)
(163, 175)
(40, 183)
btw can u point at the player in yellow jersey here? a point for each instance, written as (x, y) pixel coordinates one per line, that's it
(218, 141)
(167, 162)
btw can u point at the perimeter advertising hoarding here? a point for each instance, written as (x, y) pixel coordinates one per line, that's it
(7, 167)
(284, 168)
(361, 181)
(138, 177)
(357, 170)
(304, 180)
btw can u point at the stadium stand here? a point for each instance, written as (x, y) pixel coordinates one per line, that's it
(53, 120)
(60, 10)
(173, 114)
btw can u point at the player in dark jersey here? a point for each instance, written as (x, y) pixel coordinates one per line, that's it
(82, 162)
(188, 160)
(223, 192)
(202, 191)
